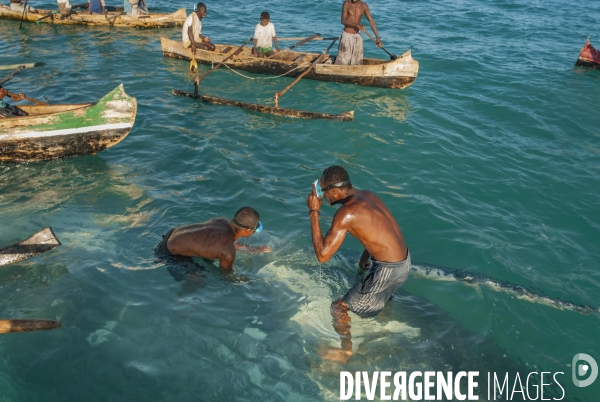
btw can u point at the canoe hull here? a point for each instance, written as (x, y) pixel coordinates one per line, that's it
(397, 74)
(589, 57)
(175, 19)
(42, 241)
(49, 133)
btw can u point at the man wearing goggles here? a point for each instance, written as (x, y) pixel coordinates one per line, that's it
(214, 239)
(365, 216)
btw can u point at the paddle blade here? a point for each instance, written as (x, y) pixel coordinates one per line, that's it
(193, 66)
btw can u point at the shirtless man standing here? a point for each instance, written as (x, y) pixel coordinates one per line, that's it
(365, 216)
(350, 50)
(213, 239)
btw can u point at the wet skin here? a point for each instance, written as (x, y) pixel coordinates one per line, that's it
(365, 216)
(213, 240)
(352, 13)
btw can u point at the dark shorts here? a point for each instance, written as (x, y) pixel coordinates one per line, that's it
(369, 295)
(162, 250)
(179, 266)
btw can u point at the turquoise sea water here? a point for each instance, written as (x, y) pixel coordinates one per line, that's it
(490, 162)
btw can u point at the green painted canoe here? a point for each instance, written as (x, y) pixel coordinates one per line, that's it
(61, 131)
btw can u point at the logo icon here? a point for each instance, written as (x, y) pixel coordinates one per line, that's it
(582, 369)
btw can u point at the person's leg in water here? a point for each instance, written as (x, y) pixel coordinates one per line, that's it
(341, 324)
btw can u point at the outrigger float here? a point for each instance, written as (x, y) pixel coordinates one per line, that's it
(40, 242)
(114, 19)
(61, 131)
(589, 56)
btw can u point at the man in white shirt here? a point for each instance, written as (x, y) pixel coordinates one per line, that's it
(263, 33)
(191, 33)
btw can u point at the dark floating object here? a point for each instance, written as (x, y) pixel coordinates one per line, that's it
(589, 56)
(26, 325)
(42, 241)
(279, 111)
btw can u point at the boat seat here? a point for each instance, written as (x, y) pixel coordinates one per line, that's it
(299, 58)
(228, 48)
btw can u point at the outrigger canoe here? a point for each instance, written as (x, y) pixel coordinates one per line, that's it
(589, 56)
(116, 19)
(61, 131)
(398, 73)
(42, 241)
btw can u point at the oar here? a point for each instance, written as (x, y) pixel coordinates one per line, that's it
(302, 42)
(392, 56)
(318, 59)
(37, 102)
(24, 65)
(22, 16)
(44, 17)
(26, 325)
(291, 39)
(198, 79)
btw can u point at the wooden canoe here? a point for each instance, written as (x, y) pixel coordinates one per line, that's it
(151, 20)
(589, 56)
(42, 241)
(61, 131)
(278, 111)
(398, 73)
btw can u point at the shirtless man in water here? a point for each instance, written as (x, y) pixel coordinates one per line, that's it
(213, 239)
(350, 50)
(365, 216)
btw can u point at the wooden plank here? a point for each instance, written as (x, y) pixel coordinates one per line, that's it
(278, 111)
(42, 241)
(228, 48)
(26, 325)
(297, 60)
(24, 65)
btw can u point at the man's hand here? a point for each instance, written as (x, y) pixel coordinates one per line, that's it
(19, 97)
(206, 39)
(378, 42)
(313, 202)
(277, 49)
(361, 28)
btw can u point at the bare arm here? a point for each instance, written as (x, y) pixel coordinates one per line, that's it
(254, 50)
(373, 26)
(191, 36)
(226, 261)
(275, 41)
(252, 250)
(325, 247)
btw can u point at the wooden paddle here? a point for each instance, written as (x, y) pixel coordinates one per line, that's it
(308, 70)
(290, 39)
(392, 56)
(44, 17)
(26, 325)
(198, 79)
(302, 42)
(37, 102)
(24, 65)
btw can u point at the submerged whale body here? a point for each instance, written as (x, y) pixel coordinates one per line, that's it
(441, 273)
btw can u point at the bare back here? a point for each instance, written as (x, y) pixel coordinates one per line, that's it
(213, 240)
(366, 217)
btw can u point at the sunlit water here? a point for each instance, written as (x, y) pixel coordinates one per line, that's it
(489, 161)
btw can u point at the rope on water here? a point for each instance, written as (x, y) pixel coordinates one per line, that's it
(268, 78)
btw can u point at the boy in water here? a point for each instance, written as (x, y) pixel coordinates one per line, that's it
(263, 34)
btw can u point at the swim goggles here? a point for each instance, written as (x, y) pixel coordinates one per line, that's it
(257, 229)
(321, 191)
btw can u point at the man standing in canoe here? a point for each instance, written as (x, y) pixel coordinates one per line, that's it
(365, 216)
(214, 239)
(7, 110)
(350, 50)
(191, 34)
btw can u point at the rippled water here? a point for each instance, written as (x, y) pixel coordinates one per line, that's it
(489, 161)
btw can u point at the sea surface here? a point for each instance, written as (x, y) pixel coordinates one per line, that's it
(490, 162)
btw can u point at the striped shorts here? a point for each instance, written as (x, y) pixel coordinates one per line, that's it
(369, 295)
